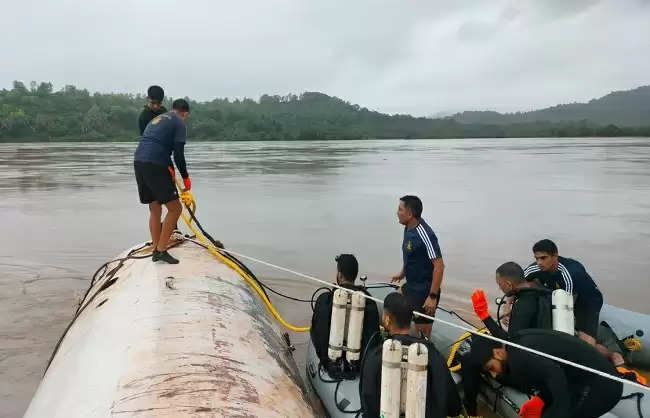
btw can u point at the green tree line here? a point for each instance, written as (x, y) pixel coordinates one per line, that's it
(39, 113)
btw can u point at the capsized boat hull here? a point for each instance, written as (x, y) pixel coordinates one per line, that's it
(173, 340)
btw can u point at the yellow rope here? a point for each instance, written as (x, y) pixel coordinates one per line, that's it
(456, 346)
(188, 199)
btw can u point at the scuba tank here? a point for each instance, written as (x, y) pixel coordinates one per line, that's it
(563, 318)
(403, 380)
(346, 326)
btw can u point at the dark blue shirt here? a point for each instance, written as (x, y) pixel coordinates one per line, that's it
(570, 276)
(419, 248)
(164, 135)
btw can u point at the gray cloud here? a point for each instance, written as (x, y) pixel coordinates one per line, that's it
(407, 57)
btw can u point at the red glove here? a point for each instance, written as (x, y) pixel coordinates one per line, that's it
(480, 304)
(532, 408)
(171, 171)
(188, 183)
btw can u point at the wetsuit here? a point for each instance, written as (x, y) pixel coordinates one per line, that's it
(531, 308)
(419, 248)
(321, 321)
(147, 115)
(566, 390)
(442, 397)
(163, 136)
(572, 277)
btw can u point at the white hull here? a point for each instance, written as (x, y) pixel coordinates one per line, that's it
(173, 340)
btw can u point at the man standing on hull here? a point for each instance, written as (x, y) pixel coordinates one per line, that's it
(422, 262)
(164, 135)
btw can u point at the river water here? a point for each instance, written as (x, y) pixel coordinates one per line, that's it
(67, 208)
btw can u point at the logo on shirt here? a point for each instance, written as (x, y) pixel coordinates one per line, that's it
(409, 246)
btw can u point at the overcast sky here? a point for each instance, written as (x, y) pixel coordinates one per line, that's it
(418, 57)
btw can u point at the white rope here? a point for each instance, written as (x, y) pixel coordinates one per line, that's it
(451, 324)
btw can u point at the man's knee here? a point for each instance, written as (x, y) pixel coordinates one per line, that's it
(155, 208)
(174, 207)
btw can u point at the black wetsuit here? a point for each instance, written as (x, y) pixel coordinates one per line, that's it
(321, 320)
(442, 397)
(146, 115)
(531, 308)
(566, 390)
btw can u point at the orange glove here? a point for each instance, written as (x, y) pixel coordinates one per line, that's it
(480, 304)
(532, 408)
(171, 171)
(188, 183)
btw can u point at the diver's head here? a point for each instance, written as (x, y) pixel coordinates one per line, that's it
(546, 255)
(181, 108)
(155, 96)
(509, 276)
(397, 315)
(409, 208)
(347, 268)
(487, 356)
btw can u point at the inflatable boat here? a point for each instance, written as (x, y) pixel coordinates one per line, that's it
(153, 339)
(340, 397)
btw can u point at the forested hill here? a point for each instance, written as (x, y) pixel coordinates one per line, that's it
(38, 112)
(622, 108)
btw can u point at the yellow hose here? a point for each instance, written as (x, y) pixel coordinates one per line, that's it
(188, 199)
(456, 346)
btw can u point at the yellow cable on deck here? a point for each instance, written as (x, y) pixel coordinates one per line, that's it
(188, 199)
(456, 346)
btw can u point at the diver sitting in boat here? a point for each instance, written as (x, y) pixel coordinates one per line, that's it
(442, 398)
(563, 391)
(342, 360)
(556, 272)
(531, 304)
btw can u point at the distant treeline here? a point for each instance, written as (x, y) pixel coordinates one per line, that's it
(38, 113)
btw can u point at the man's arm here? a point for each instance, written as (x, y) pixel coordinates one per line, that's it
(370, 384)
(180, 133)
(549, 378)
(398, 277)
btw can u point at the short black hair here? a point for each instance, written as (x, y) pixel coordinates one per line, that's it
(181, 105)
(156, 93)
(511, 271)
(347, 265)
(545, 246)
(414, 204)
(399, 308)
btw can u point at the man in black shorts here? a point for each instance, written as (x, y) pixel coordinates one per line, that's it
(164, 135)
(555, 272)
(422, 262)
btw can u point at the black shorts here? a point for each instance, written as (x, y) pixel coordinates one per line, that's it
(587, 311)
(155, 183)
(417, 302)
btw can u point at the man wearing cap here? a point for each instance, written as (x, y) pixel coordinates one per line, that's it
(153, 108)
(347, 269)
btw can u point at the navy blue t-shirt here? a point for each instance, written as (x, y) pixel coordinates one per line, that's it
(419, 248)
(570, 276)
(164, 135)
